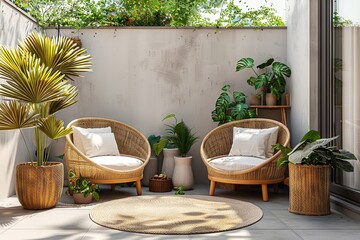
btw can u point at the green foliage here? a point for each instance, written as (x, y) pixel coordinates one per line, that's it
(157, 144)
(313, 150)
(183, 138)
(180, 190)
(234, 16)
(81, 13)
(271, 77)
(339, 21)
(82, 185)
(170, 130)
(227, 109)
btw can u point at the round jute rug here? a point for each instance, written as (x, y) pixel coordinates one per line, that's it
(175, 214)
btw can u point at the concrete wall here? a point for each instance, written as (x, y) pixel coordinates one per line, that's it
(141, 75)
(298, 56)
(14, 26)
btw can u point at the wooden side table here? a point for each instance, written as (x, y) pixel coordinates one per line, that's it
(282, 109)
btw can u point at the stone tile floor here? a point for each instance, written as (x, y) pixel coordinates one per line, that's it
(70, 221)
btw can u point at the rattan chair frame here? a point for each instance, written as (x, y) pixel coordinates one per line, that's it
(218, 143)
(130, 142)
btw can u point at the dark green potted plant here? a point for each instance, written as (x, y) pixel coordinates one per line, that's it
(82, 190)
(38, 86)
(157, 145)
(270, 78)
(229, 109)
(170, 150)
(184, 139)
(310, 163)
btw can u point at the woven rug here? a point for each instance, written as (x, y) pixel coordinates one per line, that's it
(175, 214)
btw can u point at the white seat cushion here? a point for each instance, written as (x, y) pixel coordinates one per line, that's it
(235, 163)
(122, 163)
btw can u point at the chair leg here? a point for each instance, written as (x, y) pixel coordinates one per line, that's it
(113, 187)
(264, 191)
(276, 188)
(212, 188)
(138, 187)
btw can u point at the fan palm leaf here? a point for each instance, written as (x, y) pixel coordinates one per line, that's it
(15, 114)
(60, 54)
(70, 93)
(53, 127)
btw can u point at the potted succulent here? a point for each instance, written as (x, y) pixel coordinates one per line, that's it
(37, 75)
(271, 79)
(227, 110)
(170, 150)
(310, 164)
(82, 190)
(184, 139)
(157, 145)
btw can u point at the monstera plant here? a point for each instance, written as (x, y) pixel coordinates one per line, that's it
(37, 76)
(270, 76)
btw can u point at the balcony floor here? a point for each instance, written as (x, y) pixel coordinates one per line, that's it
(69, 221)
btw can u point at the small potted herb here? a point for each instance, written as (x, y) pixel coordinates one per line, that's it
(82, 190)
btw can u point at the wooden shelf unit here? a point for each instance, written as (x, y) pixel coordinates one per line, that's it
(282, 109)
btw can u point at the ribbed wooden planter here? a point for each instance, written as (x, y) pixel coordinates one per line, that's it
(39, 187)
(309, 187)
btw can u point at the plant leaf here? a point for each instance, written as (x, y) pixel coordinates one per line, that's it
(266, 63)
(15, 114)
(281, 69)
(244, 63)
(311, 136)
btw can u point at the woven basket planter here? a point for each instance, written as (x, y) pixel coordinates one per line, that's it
(160, 185)
(80, 199)
(309, 187)
(39, 187)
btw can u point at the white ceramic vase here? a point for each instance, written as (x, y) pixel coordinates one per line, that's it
(168, 162)
(150, 170)
(183, 174)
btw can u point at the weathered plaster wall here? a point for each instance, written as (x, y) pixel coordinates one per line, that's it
(14, 26)
(141, 75)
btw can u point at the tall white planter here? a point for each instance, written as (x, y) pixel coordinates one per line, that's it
(168, 162)
(183, 174)
(150, 170)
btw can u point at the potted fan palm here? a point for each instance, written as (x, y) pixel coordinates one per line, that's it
(310, 164)
(37, 74)
(184, 139)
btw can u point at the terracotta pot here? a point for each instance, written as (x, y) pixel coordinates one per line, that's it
(39, 187)
(270, 99)
(254, 99)
(309, 187)
(183, 174)
(168, 162)
(80, 199)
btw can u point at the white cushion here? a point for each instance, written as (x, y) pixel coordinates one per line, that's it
(79, 132)
(236, 163)
(269, 152)
(118, 162)
(100, 144)
(250, 143)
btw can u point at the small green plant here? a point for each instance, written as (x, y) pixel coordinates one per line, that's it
(157, 144)
(180, 190)
(82, 185)
(170, 130)
(313, 150)
(269, 80)
(183, 138)
(228, 110)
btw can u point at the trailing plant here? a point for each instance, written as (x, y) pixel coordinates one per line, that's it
(82, 185)
(183, 138)
(271, 76)
(227, 109)
(37, 75)
(157, 144)
(313, 150)
(180, 190)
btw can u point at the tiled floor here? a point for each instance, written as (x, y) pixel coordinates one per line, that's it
(69, 221)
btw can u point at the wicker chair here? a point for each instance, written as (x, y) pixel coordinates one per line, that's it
(218, 143)
(130, 142)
